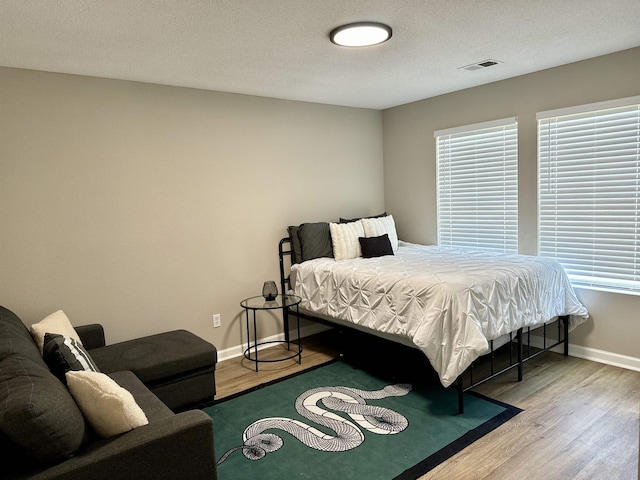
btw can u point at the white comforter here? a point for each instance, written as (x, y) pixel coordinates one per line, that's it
(447, 302)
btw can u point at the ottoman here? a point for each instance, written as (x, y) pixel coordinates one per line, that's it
(177, 366)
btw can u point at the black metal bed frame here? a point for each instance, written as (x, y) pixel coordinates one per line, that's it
(523, 350)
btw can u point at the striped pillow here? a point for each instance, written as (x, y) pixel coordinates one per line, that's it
(64, 354)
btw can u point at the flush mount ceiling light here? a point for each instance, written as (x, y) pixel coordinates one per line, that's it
(360, 34)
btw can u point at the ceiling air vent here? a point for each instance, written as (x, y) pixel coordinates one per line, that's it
(480, 65)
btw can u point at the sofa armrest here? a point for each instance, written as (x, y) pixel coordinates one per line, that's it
(91, 336)
(180, 446)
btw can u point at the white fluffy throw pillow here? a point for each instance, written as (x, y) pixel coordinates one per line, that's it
(109, 408)
(57, 323)
(374, 227)
(344, 237)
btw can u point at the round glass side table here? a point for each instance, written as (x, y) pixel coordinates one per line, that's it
(281, 302)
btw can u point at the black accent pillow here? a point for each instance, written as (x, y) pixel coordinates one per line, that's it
(375, 246)
(315, 240)
(349, 220)
(63, 354)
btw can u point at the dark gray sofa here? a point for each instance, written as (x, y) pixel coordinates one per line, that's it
(43, 434)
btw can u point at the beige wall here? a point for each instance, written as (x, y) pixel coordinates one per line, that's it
(410, 162)
(148, 208)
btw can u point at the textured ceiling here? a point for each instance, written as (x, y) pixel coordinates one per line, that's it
(280, 48)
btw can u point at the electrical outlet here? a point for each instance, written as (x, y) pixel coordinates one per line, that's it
(216, 320)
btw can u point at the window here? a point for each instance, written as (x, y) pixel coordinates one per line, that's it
(589, 192)
(478, 186)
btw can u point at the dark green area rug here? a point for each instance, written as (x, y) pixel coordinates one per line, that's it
(410, 429)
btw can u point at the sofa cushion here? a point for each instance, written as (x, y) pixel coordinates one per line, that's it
(150, 404)
(16, 459)
(38, 414)
(158, 358)
(63, 354)
(15, 337)
(108, 407)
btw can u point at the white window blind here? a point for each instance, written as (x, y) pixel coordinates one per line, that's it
(478, 186)
(589, 193)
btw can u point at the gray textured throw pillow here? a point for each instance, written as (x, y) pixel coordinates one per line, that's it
(315, 239)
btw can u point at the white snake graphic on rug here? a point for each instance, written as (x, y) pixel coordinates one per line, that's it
(380, 420)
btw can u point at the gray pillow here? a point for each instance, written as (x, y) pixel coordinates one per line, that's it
(296, 246)
(315, 240)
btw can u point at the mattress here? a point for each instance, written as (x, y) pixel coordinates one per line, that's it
(447, 302)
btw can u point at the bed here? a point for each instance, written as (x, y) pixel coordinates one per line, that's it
(451, 304)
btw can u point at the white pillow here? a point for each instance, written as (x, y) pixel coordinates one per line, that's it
(344, 237)
(374, 227)
(58, 323)
(109, 408)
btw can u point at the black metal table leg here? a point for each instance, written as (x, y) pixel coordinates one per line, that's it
(255, 339)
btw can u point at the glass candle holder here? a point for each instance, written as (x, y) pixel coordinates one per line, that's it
(269, 291)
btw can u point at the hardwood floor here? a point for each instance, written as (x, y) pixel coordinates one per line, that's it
(580, 418)
(238, 374)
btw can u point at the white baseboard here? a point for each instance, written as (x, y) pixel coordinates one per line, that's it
(587, 353)
(238, 350)
(594, 354)
(602, 356)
